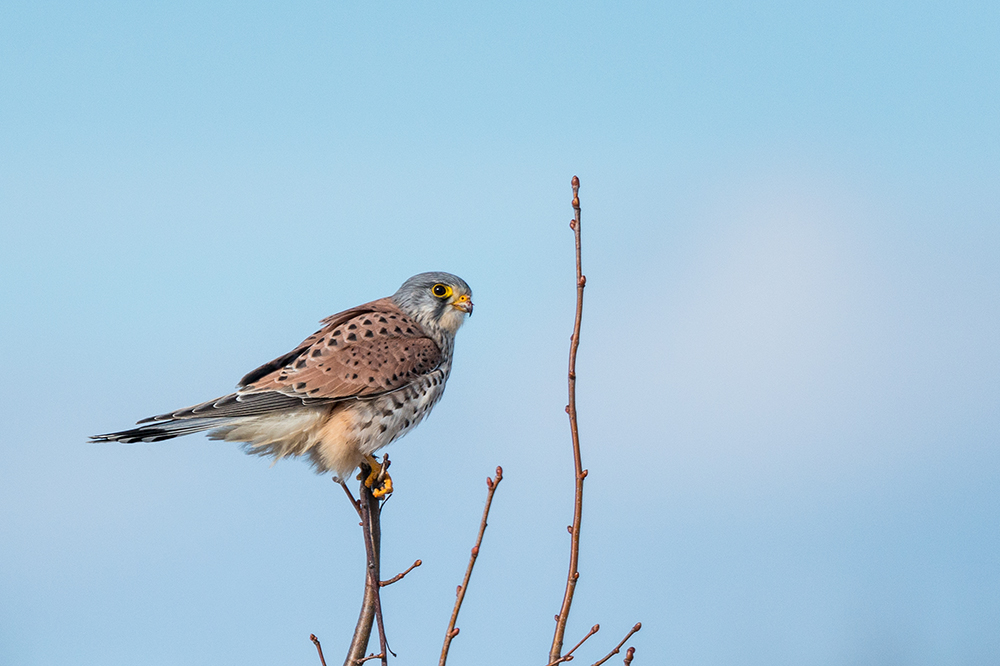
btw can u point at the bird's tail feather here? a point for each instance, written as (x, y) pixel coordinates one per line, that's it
(161, 430)
(219, 413)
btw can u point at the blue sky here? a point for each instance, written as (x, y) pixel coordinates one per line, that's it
(789, 377)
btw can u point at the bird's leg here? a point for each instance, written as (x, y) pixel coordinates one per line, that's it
(378, 478)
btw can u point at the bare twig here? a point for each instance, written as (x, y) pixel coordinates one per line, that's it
(399, 576)
(491, 485)
(629, 653)
(569, 655)
(355, 503)
(319, 648)
(637, 627)
(380, 655)
(580, 473)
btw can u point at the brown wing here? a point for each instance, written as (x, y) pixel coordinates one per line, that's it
(332, 320)
(362, 352)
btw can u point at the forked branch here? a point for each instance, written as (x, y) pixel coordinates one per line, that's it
(569, 655)
(631, 651)
(371, 605)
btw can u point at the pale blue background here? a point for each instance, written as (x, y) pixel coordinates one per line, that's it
(789, 379)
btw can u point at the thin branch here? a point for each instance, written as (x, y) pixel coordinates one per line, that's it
(580, 473)
(355, 503)
(491, 485)
(381, 655)
(319, 648)
(399, 576)
(637, 627)
(629, 653)
(569, 655)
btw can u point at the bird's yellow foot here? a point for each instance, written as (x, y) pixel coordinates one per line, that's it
(378, 478)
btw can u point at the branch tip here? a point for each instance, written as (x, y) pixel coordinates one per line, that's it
(460, 590)
(319, 648)
(637, 627)
(400, 576)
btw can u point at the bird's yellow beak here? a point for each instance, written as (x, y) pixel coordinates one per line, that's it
(463, 303)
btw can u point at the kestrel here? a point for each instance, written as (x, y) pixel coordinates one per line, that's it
(365, 379)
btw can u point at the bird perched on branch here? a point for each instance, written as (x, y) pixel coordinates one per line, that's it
(368, 377)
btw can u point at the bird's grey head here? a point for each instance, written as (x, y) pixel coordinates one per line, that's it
(436, 300)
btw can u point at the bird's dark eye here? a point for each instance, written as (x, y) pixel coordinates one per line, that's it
(441, 290)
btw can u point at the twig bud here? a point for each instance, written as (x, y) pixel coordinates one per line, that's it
(489, 483)
(575, 182)
(584, 473)
(572, 224)
(475, 551)
(454, 632)
(499, 472)
(582, 281)
(569, 528)
(458, 590)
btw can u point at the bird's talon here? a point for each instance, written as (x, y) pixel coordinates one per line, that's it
(384, 488)
(378, 479)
